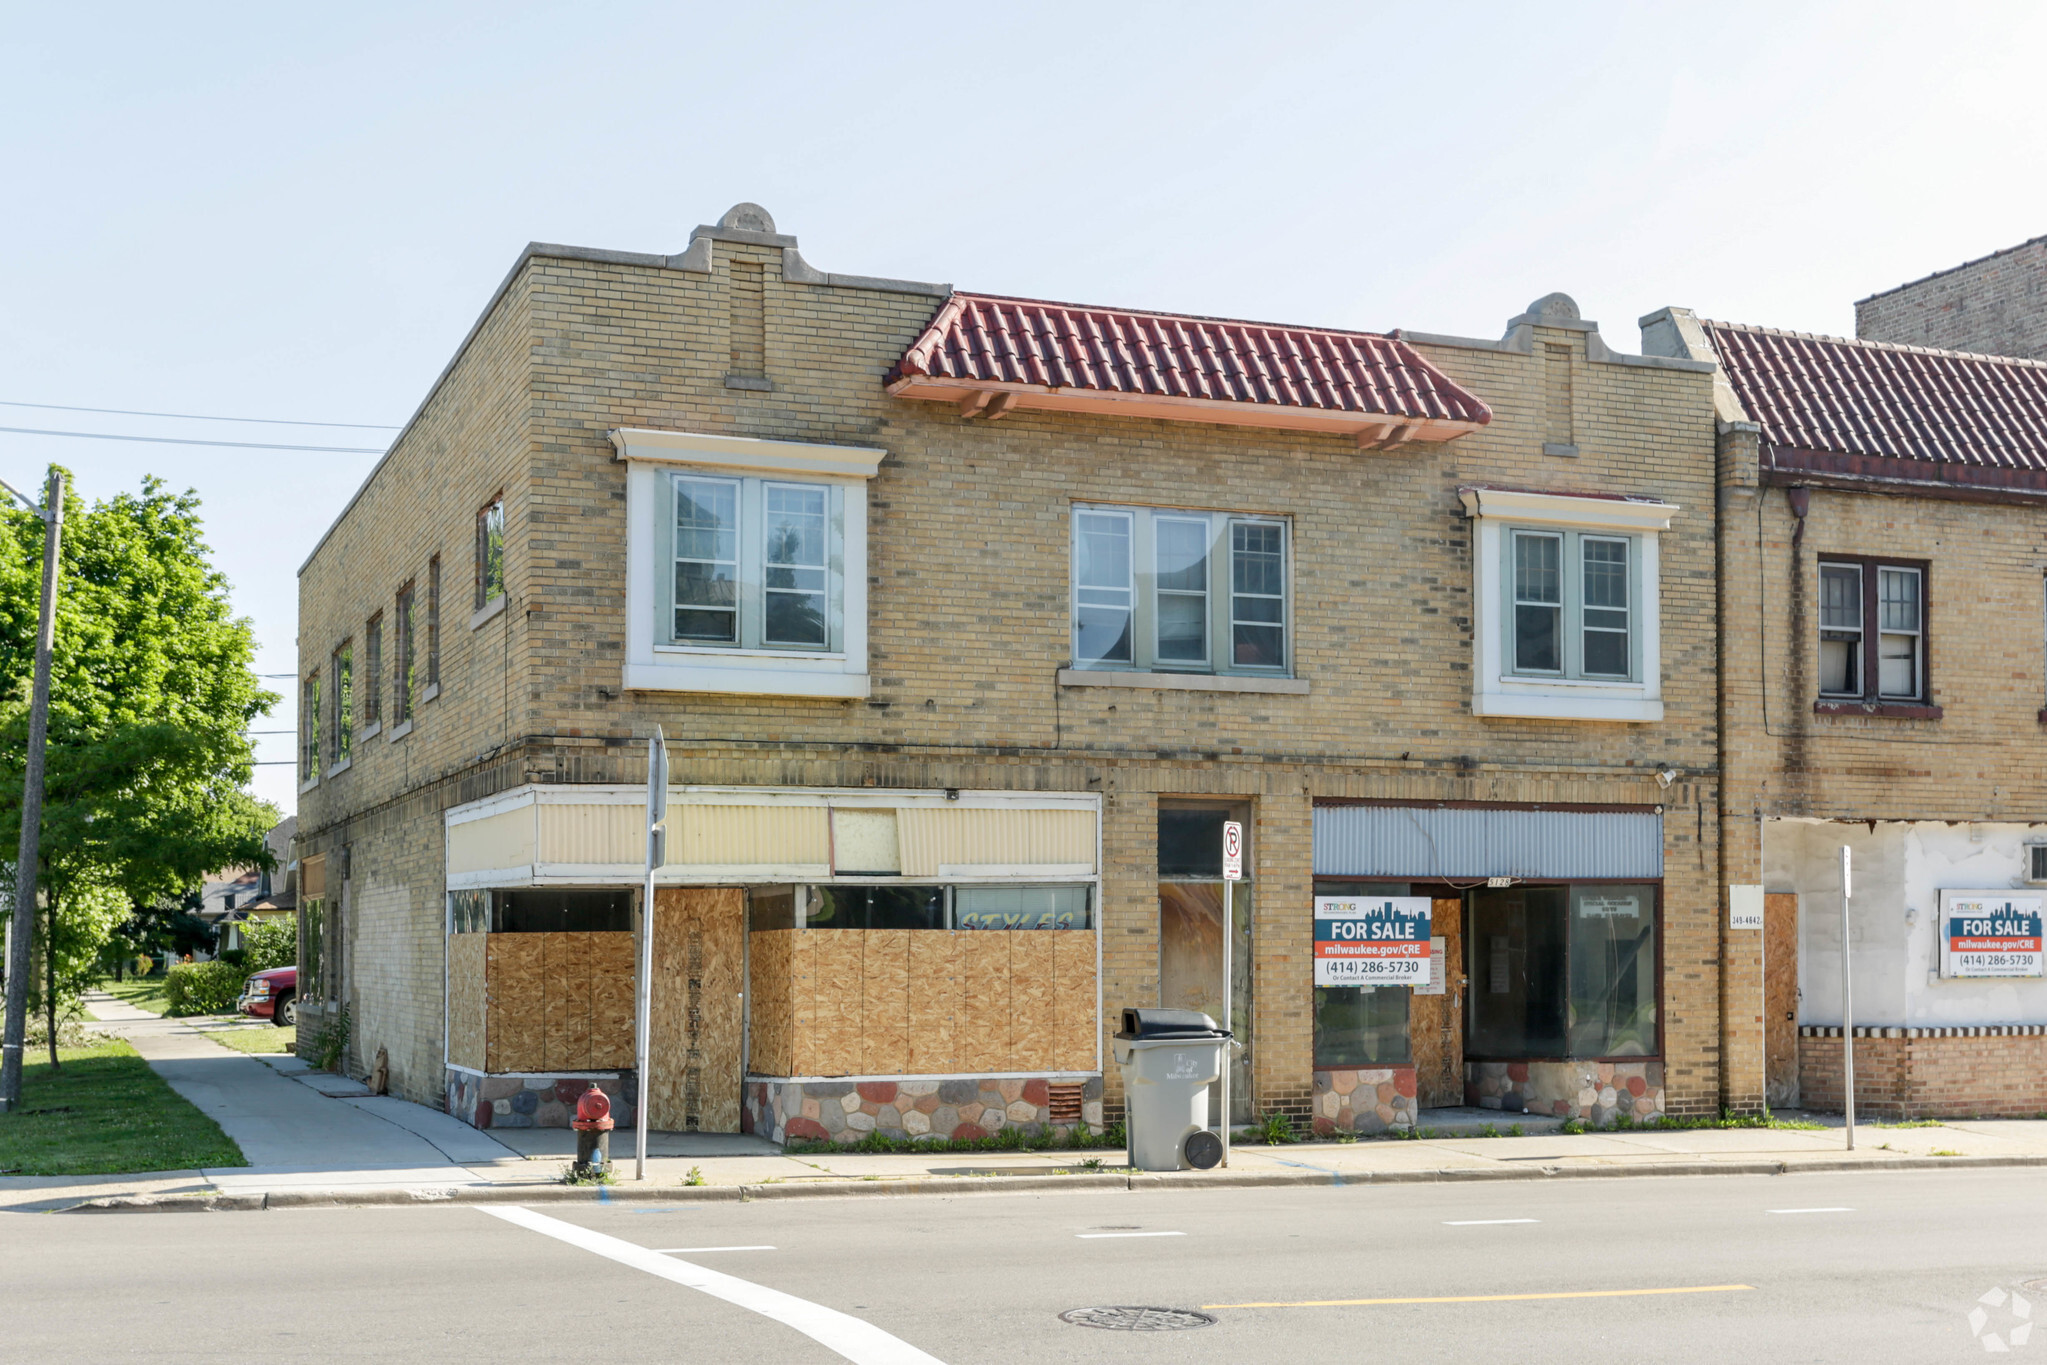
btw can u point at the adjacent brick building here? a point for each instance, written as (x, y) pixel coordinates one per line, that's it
(967, 620)
(1994, 305)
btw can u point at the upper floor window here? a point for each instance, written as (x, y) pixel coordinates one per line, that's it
(1872, 630)
(1567, 600)
(1573, 596)
(433, 627)
(757, 564)
(373, 670)
(490, 553)
(309, 727)
(746, 564)
(1162, 590)
(403, 694)
(341, 733)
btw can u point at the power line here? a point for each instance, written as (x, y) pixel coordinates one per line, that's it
(187, 441)
(198, 417)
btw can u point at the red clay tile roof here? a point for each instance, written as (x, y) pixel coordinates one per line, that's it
(1870, 410)
(1066, 356)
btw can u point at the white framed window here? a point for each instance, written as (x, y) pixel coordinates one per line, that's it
(1168, 590)
(756, 563)
(747, 564)
(1573, 596)
(1567, 624)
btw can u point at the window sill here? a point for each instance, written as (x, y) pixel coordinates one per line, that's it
(372, 730)
(336, 769)
(1565, 701)
(748, 674)
(496, 607)
(1180, 682)
(309, 784)
(1893, 710)
(431, 691)
(400, 731)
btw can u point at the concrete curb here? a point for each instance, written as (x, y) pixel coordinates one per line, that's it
(918, 1186)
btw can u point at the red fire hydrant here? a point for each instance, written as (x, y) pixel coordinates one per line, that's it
(593, 1132)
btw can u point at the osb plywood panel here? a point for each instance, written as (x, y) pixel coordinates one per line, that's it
(769, 1026)
(984, 991)
(501, 840)
(885, 1002)
(694, 1015)
(567, 990)
(1033, 997)
(934, 989)
(514, 1002)
(465, 999)
(935, 837)
(836, 1037)
(1074, 1002)
(1780, 998)
(593, 834)
(752, 835)
(1435, 1023)
(612, 972)
(802, 1002)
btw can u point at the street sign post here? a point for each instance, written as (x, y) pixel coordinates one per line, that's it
(1847, 1000)
(643, 994)
(1233, 872)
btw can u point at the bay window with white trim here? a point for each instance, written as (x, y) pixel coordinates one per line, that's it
(1168, 590)
(747, 562)
(1566, 625)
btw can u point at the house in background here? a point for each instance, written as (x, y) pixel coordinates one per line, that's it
(969, 620)
(234, 896)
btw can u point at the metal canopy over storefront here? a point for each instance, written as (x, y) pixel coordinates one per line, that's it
(1467, 842)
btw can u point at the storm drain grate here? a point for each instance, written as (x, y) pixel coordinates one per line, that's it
(1128, 1319)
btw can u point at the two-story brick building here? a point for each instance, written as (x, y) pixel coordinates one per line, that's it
(968, 620)
(1884, 674)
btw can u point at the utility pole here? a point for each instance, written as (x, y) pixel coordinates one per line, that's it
(21, 926)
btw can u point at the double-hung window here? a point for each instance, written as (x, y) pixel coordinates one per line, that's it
(755, 564)
(1566, 626)
(1164, 590)
(1872, 645)
(1573, 599)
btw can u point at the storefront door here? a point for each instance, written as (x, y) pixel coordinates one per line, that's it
(1780, 999)
(697, 1010)
(1436, 1020)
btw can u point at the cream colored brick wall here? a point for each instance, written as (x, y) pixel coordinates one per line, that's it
(968, 581)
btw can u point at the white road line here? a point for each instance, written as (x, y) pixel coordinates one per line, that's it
(1088, 1236)
(1841, 1210)
(691, 1251)
(1487, 1222)
(860, 1342)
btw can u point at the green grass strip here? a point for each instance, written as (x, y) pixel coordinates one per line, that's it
(104, 1112)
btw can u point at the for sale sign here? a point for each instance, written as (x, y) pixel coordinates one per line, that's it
(1371, 940)
(1990, 933)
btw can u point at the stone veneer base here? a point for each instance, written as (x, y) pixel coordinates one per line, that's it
(1596, 1092)
(1363, 1099)
(967, 1107)
(532, 1101)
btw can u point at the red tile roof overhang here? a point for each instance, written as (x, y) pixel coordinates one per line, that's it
(991, 356)
(1869, 415)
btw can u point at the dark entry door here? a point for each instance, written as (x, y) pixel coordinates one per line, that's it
(1436, 1022)
(696, 1012)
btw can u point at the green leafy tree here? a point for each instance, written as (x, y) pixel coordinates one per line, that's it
(151, 697)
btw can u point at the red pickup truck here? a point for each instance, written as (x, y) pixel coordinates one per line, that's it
(273, 995)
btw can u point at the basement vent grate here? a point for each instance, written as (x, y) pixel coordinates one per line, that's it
(1065, 1103)
(1126, 1319)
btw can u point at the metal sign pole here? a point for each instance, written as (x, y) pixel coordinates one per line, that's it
(643, 986)
(1233, 870)
(1847, 1000)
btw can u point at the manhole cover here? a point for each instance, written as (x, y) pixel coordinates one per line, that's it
(1127, 1319)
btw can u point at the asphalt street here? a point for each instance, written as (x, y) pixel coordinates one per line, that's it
(1855, 1267)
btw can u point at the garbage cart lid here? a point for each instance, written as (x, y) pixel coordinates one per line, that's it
(1191, 1024)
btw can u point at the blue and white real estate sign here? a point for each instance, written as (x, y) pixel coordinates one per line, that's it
(1990, 933)
(1372, 940)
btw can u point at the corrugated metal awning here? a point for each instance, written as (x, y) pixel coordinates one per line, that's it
(1458, 842)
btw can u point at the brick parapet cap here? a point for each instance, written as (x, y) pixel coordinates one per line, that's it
(1947, 1031)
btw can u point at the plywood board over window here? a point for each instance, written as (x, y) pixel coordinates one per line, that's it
(935, 1004)
(547, 1002)
(695, 1010)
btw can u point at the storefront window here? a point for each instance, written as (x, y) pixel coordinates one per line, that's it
(544, 910)
(469, 912)
(1019, 907)
(1359, 1026)
(876, 907)
(920, 907)
(1563, 971)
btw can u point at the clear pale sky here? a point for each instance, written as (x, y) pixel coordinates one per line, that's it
(297, 212)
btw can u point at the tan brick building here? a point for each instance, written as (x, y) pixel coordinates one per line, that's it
(1883, 685)
(1993, 305)
(968, 620)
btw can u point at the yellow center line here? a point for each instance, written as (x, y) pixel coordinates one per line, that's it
(1495, 1298)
